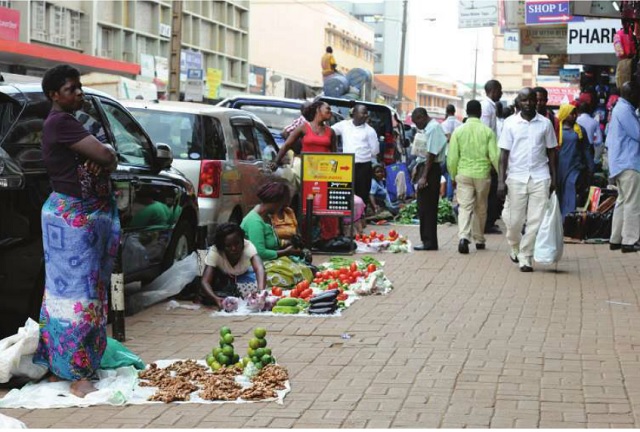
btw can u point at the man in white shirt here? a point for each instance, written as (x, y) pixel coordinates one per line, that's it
(493, 90)
(528, 154)
(592, 126)
(361, 140)
(449, 124)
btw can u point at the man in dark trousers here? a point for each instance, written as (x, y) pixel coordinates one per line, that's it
(490, 107)
(361, 140)
(429, 145)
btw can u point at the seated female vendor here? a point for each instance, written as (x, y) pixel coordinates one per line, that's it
(233, 267)
(283, 265)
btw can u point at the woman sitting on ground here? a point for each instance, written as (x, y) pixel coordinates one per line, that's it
(283, 265)
(233, 267)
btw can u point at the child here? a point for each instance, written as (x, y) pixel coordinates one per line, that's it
(233, 267)
(378, 195)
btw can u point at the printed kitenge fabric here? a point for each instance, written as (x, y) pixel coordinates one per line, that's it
(80, 239)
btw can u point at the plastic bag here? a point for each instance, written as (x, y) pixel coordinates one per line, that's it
(117, 355)
(16, 354)
(549, 242)
(7, 422)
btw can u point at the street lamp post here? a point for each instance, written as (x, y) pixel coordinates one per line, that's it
(403, 43)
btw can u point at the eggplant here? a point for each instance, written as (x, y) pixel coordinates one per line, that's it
(330, 295)
(325, 304)
(322, 311)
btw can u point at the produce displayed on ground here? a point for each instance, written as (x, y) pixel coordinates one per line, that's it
(408, 215)
(227, 378)
(377, 242)
(335, 286)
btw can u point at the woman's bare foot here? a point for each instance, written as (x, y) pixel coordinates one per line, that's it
(52, 378)
(82, 388)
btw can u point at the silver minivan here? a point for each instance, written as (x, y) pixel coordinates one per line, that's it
(223, 152)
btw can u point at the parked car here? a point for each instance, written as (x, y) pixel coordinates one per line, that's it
(144, 176)
(276, 113)
(222, 151)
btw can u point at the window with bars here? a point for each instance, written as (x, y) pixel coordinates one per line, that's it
(74, 29)
(106, 42)
(58, 25)
(38, 20)
(5, 3)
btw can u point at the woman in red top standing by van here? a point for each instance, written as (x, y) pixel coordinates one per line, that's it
(316, 137)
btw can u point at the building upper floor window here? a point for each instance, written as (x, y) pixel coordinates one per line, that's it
(55, 24)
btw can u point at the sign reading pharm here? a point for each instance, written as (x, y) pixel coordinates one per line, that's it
(329, 178)
(592, 37)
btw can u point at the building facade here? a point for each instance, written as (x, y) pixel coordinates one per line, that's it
(290, 47)
(386, 19)
(129, 33)
(432, 94)
(513, 70)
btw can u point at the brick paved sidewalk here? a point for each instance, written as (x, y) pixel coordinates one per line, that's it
(463, 341)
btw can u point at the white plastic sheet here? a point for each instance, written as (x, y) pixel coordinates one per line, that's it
(115, 387)
(549, 242)
(16, 354)
(7, 422)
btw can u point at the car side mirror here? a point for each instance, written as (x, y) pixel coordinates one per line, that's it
(164, 156)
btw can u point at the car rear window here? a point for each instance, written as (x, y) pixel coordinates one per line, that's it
(182, 131)
(273, 117)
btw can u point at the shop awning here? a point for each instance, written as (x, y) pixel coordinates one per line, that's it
(44, 57)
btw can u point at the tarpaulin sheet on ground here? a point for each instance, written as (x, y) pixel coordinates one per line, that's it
(115, 387)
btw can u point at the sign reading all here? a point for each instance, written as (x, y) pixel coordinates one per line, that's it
(592, 37)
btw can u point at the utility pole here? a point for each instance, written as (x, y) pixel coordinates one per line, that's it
(176, 48)
(403, 43)
(475, 71)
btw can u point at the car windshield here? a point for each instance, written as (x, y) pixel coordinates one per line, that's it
(176, 129)
(273, 117)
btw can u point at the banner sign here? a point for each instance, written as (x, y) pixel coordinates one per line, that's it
(570, 76)
(328, 177)
(592, 37)
(546, 68)
(474, 14)
(9, 24)
(549, 12)
(543, 40)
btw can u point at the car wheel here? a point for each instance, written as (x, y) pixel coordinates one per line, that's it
(181, 245)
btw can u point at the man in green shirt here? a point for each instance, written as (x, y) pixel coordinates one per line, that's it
(472, 151)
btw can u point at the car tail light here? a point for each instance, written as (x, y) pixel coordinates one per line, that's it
(209, 181)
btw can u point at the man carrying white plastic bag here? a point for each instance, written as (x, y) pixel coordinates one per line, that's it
(549, 242)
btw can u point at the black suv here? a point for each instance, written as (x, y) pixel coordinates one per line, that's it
(143, 182)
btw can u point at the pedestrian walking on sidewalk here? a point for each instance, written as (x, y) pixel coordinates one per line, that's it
(528, 154)
(490, 107)
(473, 151)
(623, 145)
(429, 144)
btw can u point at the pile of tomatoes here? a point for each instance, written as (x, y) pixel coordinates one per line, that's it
(373, 236)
